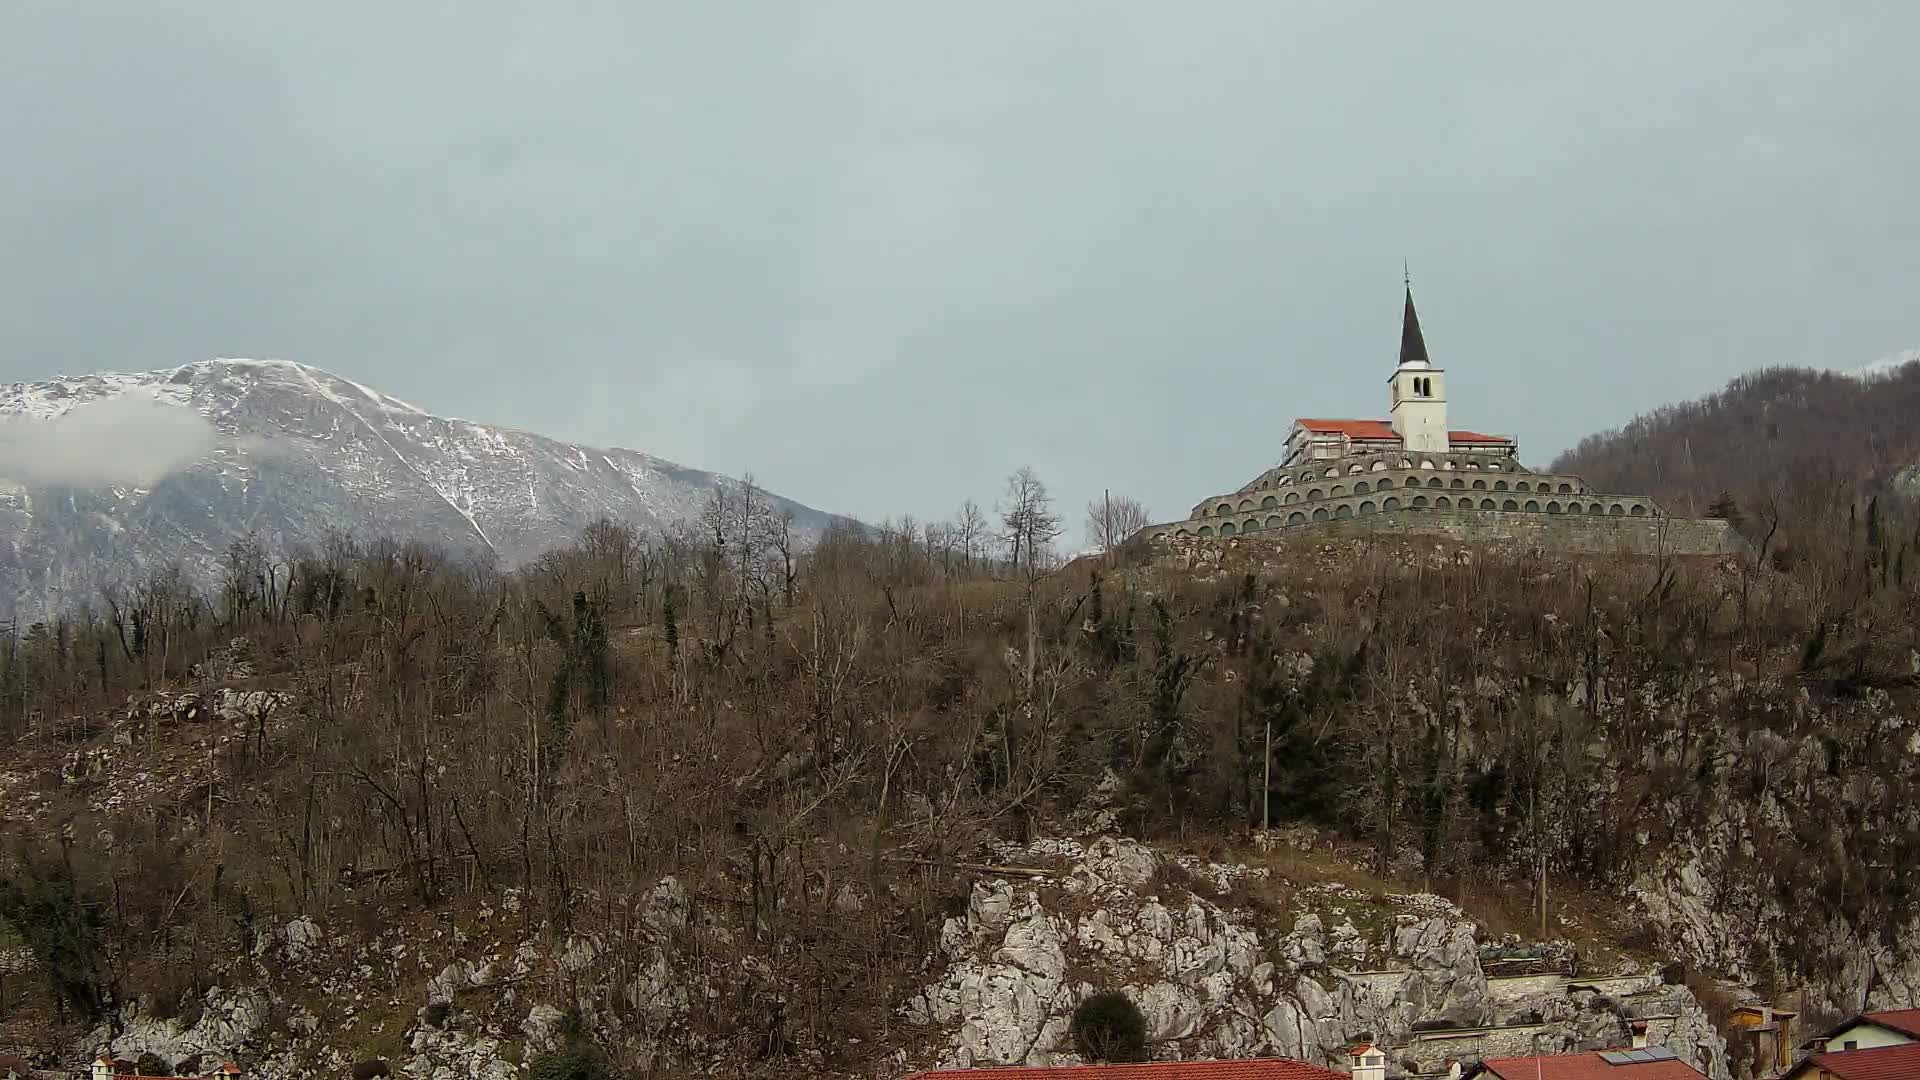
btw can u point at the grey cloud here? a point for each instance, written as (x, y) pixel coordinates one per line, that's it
(129, 439)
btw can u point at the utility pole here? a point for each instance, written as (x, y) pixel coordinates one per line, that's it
(1266, 783)
(1543, 895)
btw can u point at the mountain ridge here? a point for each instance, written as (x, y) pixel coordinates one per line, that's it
(109, 475)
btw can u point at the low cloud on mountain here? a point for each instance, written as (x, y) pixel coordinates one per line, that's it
(131, 439)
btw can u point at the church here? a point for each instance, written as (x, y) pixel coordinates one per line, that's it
(1413, 473)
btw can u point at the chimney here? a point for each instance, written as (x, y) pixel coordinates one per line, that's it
(1639, 1034)
(102, 1069)
(1369, 1062)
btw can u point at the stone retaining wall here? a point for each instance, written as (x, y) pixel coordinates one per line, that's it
(1584, 534)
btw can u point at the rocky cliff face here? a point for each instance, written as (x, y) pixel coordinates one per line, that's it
(1213, 982)
(103, 477)
(482, 999)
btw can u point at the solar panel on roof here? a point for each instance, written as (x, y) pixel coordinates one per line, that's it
(1660, 1053)
(1615, 1057)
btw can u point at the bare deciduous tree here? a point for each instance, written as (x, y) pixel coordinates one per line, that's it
(970, 532)
(1032, 525)
(1111, 519)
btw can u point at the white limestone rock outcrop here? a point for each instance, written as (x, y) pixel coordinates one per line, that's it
(1212, 982)
(229, 1020)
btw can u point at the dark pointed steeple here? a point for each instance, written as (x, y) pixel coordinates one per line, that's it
(1413, 346)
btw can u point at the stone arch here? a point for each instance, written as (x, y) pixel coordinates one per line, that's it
(1293, 497)
(1596, 509)
(1533, 506)
(1206, 530)
(1320, 514)
(1284, 481)
(1296, 518)
(1638, 510)
(1380, 465)
(1479, 485)
(1338, 490)
(1390, 504)
(1183, 535)
(1246, 504)
(1566, 489)
(1360, 487)
(1509, 505)
(1520, 485)
(1223, 508)
(1443, 503)
(1406, 463)
(1458, 484)
(1386, 482)
(1553, 507)
(1367, 507)
(1344, 510)
(1486, 504)
(1499, 485)
(1226, 528)
(1433, 481)
(1419, 502)
(1250, 525)
(1617, 510)
(1269, 503)
(1274, 522)
(1426, 463)
(1353, 468)
(1316, 493)
(1494, 465)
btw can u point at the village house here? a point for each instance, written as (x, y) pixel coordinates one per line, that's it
(1888, 1027)
(1649, 1063)
(1249, 1069)
(1900, 1061)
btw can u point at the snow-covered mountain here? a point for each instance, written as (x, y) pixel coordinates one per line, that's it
(104, 477)
(1887, 365)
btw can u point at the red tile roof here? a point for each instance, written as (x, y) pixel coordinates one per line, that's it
(1904, 1021)
(1250, 1069)
(1352, 429)
(1881, 1063)
(1383, 429)
(1588, 1066)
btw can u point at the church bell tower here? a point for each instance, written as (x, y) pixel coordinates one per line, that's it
(1419, 390)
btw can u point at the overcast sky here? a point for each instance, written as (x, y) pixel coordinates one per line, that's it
(881, 254)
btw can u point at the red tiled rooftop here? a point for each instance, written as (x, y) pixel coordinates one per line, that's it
(1474, 436)
(1383, 429)
(1352, 429)
(1250, 1069)
(1904, 1021)
(1587, 1066)
(1881, 1063)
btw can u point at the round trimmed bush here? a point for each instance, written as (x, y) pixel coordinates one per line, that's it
(1109, 1027)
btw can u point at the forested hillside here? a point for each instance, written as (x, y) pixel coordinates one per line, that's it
(1792, 446)
(710, 805)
